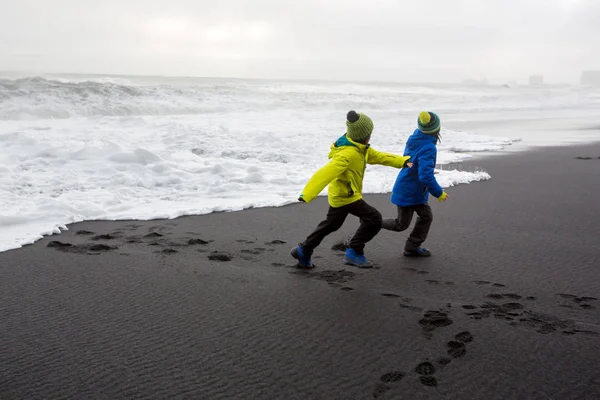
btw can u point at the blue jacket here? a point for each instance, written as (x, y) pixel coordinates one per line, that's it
(413, 185)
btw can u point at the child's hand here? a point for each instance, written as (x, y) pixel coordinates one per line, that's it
(443, 197)
(409, 164)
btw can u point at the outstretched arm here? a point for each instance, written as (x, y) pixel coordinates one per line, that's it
(322, 178)
(387, 159)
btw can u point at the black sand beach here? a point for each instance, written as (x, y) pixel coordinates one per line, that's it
(507, 308)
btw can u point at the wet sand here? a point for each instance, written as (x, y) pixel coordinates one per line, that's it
(212, 306)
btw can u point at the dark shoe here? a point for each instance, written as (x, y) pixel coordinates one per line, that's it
(304, 260)
(420, 252)
(358, 260)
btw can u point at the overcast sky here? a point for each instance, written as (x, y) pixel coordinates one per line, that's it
(420, 40)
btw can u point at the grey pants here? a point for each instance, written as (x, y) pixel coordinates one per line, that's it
(421, 229)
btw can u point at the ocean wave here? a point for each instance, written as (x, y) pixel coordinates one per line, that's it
(41, 98)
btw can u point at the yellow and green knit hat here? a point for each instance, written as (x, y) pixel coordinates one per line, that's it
(429, 122)
(359, 126)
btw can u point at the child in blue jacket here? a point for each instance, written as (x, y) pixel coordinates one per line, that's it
(413, 185)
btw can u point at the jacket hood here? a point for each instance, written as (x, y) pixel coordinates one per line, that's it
(418, 139)
(345, 141)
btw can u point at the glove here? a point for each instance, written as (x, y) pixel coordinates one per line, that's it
(443, 197)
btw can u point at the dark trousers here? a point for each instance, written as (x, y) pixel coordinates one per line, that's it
(421, 229)
(370, 224)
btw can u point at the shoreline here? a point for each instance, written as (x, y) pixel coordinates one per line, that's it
(470, 164)
(147, 309)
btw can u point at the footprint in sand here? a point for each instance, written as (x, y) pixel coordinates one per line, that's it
(342, 244)
(512, 296)
(274, 242)
(428, 381)
(338, 276)
(219, 256)
(392, 377)
(278, 264)
(443, 361)
(192, 242)
(426, 370)
(106, 236)
(578, 301)
(168, 251)
(519, 316)
(434, 319)
(464, 337)
(456, 349)
(93, 249)
(153, 235)
(386, 379)
(484, 283)
(59, 245)
(587, 298)
(410, 269)
(435, 282)
(100, 247)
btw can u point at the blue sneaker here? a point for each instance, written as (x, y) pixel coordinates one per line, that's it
(304, 260)
(358, 260)
(419, 252)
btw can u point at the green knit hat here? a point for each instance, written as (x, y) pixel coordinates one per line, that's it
(429, 122)
(359, 126)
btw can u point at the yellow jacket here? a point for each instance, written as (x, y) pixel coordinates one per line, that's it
(345, 171)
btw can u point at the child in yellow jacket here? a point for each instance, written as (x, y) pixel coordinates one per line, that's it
(344, 174)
